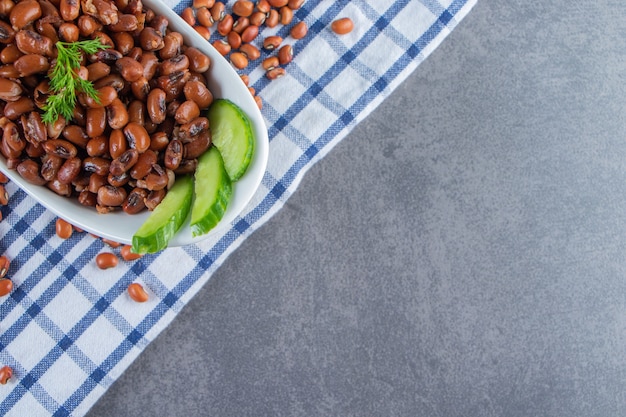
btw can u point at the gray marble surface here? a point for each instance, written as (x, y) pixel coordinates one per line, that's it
(461, 253)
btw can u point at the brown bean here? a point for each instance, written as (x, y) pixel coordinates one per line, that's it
(9, 71)
(178, 63)
(69, 32)
(111, 196)
(137, 293)
(127, 253)
(34, 129)
(202, 3)
(189, 15)
(124, 42)
(118, 180)
(130, 69)
(156, 105)
(6, 372)
(243, 7)
(95, 182)
(31, 64)
(14, 109)
(270, 62)
(103, 10)
(98, 146)
(70, 9)
(234, 40)
(197, 146)
(275, 73)
(87, 198)
(199, 93)
(154, 198)
(31, 42)
(29, 170)
(50, 165)
(150, 39)
(98, 70)
(286, 15)
(24, 13)
(250, 51)
(257, 18)
(186, 112)
(55, 129)
(5, 7)
(263, 6)
(10, 54)
(272, 18)
(218, 11)
(203, 17)
(173, 154)
(60, 188)
(198, 61)
(63, 228)
(143, 165)
(96, 121)
(106, 260)
(137, 112)
(342, 26)
(117, 114)
(225, 25)
(285, 54)
(4, 196)
(10, 90)
(278, 3)
(137, 137)
(88, 25)
(117, 143)
(249, 34)
(61, 148)
(134, 203)
(299, 30)
(239, 60)
(295, 4)
(159, 141)
(6, 286)
(191, 129)
(5, 263)
(222, 46)
(150, 63)
(7, 34)
(125, 23)
(240, 24)
(97, 165)
(124, 162)
(156, 179)
(160, 23)
(272, 42)
(12, 138)
(172, 43)
(69, 170)
(76, 134)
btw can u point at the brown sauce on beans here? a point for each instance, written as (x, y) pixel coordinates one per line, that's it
(122, 150)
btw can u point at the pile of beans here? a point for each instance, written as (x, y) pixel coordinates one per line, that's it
(238, 31)
(123, 151)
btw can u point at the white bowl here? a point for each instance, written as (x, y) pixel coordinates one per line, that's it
(118, 226)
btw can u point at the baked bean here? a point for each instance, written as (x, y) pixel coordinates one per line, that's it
(98, 70)
(104, 11)
(34, 129)
(34, 151)
(111, 196)
(29, 170)
(130, 69)
(198, 61)
(6, 372)
(95, 182)
(63, 228)
(69, 9)
(14, 109)
(6, 6)
(150, 39)
(10, 90)
(60, 147)
(117, 143)
(299, 30)
(178, 63)
(7, 34)
(134, 202)
(187, 166)
(124, 42)
(31, 42)
(97, 165)
(10, 54)
(173, 154)
(127, 253)
(285, 54)
(77, 135)
(137, 112)
(199, 93)
(124, 162)
(87, 198)
(158, 141)
(31, 64)
(4, 265)
(68, 32)
(24, 13)
(156, 105)
(64, 190)
(172, 43)
(160, 23)
(186, 112)
(137, 137)
(342, 26)
(106, 260)
(98, 146)
(137, 293)
(143, 165)
(9, 71)
(117, 114)
(197, 146)
(69, 170)
(50, 165)
(88, 25)
(96, 122)
(125, 23)
(150, 63)
(156, 179)
(191, 129)
(140, 89)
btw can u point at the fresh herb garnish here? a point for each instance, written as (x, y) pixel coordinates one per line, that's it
(65, 83)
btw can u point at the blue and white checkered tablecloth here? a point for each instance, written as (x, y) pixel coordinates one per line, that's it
(69, 330)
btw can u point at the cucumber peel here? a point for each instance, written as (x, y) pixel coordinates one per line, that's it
(213, 190)
(165, 220)
(231, 133)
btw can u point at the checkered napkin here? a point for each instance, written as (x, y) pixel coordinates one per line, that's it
(69, 330)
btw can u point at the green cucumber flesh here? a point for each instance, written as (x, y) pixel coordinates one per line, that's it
(231, 133)
(165, 220)
(213, 190)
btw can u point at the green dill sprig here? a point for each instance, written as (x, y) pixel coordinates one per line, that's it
(65, 83)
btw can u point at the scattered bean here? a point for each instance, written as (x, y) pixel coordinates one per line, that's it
(4, 266)
(342, 26)
(6, 286)
(6, 372)
(137, 293)
(128, 255)
(63, 229)
(106, 260)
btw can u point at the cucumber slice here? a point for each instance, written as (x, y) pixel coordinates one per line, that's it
(165, 219)
(231, 133)
(213, 189)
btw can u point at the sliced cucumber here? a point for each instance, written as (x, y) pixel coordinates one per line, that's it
(231, 133)
(213, 189)
(155, 233)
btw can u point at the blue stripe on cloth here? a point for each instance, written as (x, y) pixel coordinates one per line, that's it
(278, 188)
